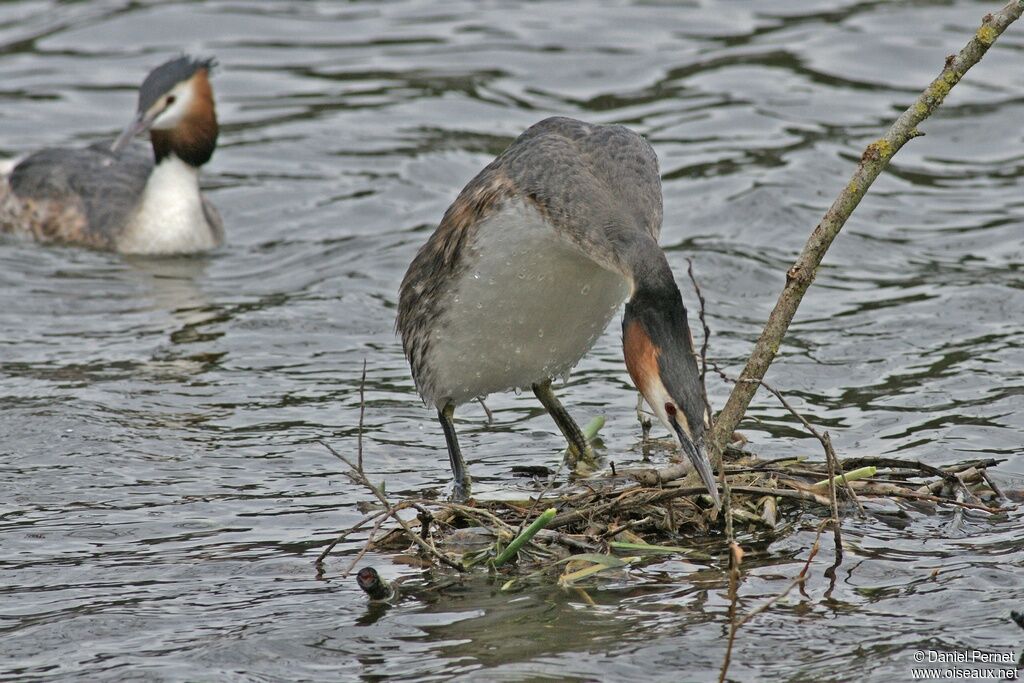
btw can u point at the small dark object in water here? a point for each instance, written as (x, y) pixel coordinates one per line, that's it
(1018, 618)
(373, 585)
(531, 470)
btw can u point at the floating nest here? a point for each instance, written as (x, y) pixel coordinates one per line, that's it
(612, 518)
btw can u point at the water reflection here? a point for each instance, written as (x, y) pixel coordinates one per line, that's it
(173, 285)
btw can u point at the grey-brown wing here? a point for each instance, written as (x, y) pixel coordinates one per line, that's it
(434, 268)
(106, 187)
(599, 184)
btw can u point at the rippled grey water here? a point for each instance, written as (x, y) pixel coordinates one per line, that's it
(163, 493)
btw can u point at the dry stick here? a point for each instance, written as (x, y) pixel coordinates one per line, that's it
(565, 539)
(737, 625)
(899, 463)
(825, 440)
(992, 485)
(894, 492)
(717, 447)
(826, 443)
(426, 518)
(486, 411)
(875, 158)
(716, 454)
(369, 541)
(359, 449)
(611, 532)
(830, 453)
(471, 512)
(976, 464)
(344, 534)
(830, 456)
(359, 477)
(784, 493)
(956, 477)
(704, 344)
(362, 412)
(908, 464)
(735, 558)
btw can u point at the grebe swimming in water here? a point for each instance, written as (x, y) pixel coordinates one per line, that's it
(126, 197)
(527, 268)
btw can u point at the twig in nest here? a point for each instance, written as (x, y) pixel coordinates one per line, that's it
(359, 477)
(643, 418)
(640, 496)
(831, 457)
(487, 411)
(369, 541)
(344, 534)
(566, 540)
(611, 532)
(826, 443)
(536, 501)
(895, 492)
(704, 344)
(992, 485)
(795, 494)
(426, 518)
(471, 513)
(952, 478)
(716, 450)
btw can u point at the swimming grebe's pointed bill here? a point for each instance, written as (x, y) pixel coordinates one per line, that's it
(659, 356)
(138, 125)
(166, 97)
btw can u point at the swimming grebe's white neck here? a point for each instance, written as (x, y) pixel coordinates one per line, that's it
(170, 218)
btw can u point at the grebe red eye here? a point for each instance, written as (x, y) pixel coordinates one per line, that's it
(670, 409)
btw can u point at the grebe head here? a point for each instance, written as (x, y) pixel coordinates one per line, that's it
(659, 356)
(176, 107)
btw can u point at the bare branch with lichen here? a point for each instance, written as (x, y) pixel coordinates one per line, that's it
(874, 160)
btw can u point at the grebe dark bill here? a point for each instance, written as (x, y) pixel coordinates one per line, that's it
(527, 268)
(125, 197)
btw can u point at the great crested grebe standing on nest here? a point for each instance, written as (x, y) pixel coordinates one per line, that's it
(527, 268)
(125, 197)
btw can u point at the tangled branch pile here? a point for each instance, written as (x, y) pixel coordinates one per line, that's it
(586, 522)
